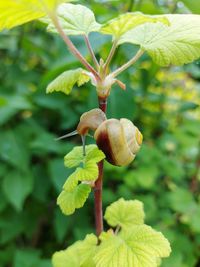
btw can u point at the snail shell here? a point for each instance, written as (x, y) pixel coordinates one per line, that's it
(120, 140)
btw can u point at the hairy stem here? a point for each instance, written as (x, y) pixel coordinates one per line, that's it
(87, 41)
(72, 47)
(99, 185)
(128, 64)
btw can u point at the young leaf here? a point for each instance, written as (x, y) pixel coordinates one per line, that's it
(118, 26)
(65, 81)
(176, 44)
(137, 246)
(69, 201)
(75, 20)
(14, 13)
(75, 157)
(88, 171)
(125, 213)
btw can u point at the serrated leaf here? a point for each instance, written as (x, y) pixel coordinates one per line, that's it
(125, 213)
(138, 246)
(176, 44)
(75, 157)
(128, 21)
(79, 254)
(66, 81)
(75, 20)
(69, 201)
(14, 13)
(87, 250)
(69, 257)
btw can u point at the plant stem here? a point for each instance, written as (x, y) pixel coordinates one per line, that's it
(72, 47)
(99, 185)
(128, 64)
(87, 41)
(111, 54)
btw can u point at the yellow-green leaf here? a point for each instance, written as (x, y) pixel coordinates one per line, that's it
(128, 21)
(75, 20)
(176, 44)
(14, 13)
(80, 254)
(138, 246)
(69, 201)
(125, 213)
(75, 157)
(66, 81)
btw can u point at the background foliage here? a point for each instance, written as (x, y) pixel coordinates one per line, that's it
(164, 103)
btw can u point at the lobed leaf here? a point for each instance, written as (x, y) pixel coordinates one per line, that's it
(69, 201)
(79, 254)
(125, 213)
(75, 20)
(176, 44)
(75, 157)
(120, 25)
(66, 81)
(14, 13)
(137, 246)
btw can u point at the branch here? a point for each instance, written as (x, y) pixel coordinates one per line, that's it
(72, 47)
(87, 41)
(99, 185)
(128, 64)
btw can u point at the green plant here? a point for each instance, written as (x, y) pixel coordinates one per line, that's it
(161, 51)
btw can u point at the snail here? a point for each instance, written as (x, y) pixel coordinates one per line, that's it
(120, 140)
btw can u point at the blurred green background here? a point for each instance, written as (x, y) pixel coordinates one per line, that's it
(163, 103)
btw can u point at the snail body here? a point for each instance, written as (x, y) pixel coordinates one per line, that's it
(120, 140)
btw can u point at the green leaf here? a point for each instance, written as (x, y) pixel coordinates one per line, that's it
(75, 157)
(66, 81)
(70, 256)
(89, 172)
(79, 254)
(87, 250)
(138, 246)
(17, 186)
(125, 213)
(176, 44)
(75, 20)
(69, 201)
(14, 13)
(120, 25)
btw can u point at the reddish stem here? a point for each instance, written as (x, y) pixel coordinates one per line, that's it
(99, 185)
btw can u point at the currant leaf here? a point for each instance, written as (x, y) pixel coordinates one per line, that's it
(176, 44)
(125, 213)
(137, 246)
(69, 201)
(14, 13)
(75, 20)
(123, 23)
(66, 81)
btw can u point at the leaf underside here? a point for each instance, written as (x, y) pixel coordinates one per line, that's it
(75, 20)
(125, 22)
(176, 44)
